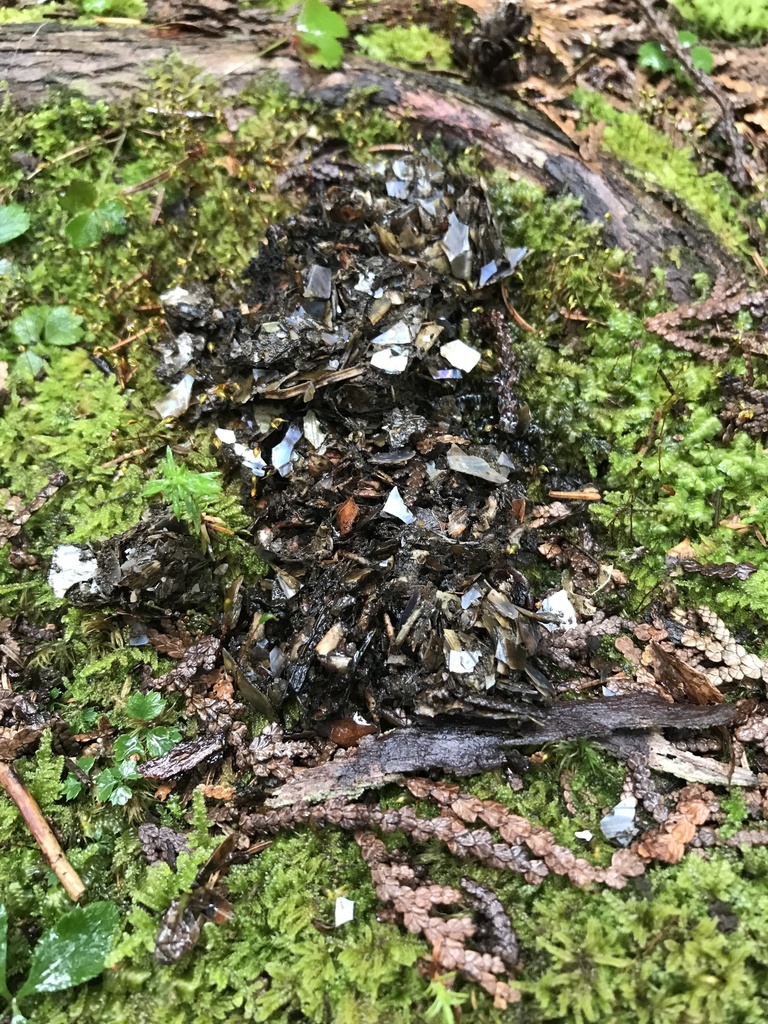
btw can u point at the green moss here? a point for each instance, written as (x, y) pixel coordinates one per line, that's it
(672, 168)
(744, 20)
(656, 957)
(596, 394)
(10, 16)
(406, 45)
(271, 962)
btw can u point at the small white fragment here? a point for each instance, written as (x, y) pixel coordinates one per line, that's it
(560, 604)
(463, 662)
(226, 436)
(472, 465)
(313, 431)
(250, 459)
(462, 356)
(289, 585)
(283, 453)
(400, 334)
(390, 360)
(470, 597)
(70, 565)
(345, 911)
(619, 824)
(174, 296)
(395, 506)
(176, 402)
(585, 834)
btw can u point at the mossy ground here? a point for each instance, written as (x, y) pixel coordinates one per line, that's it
(654, 953)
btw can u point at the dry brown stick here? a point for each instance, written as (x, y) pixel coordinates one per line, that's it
(41, 830)
(703, 80)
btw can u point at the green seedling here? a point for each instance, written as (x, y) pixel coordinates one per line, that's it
(654, 57)
(70, 953)
(38, 329)
(444, 1001)
(320, 29)
(188, 493)
(113, 784)
(95, 214)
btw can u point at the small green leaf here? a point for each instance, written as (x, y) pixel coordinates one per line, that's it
(74, 950)
(72, 787)
(85, 764)
(3, 952)
(14, 221)
(90, 227)
(120, 796)
(127, 745)
(80, 195)
(651, 55)
(28, 365)
(143, 707)
(702, 59)
(127, 769)
(105, 784)
(63, 327)
(160, 741)
(320, 27)
(27, 327)
(687, 39)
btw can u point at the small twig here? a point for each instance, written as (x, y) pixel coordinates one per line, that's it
(133, 337)
(123, 458)
(668, 33)
(513, 312)
(588, 494)
(41, 830)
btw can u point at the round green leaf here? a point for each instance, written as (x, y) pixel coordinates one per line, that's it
(320, 27)
(651, 55)
(14, 221)
(702, 59)
(63, 327)
(27, 327)
(90, 227)
(29, 364)
(80, 195)
(120, 796)
(74, 950)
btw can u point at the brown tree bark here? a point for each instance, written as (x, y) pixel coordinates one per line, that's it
(111, 63)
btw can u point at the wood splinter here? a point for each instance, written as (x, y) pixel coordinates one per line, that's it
(41, 830)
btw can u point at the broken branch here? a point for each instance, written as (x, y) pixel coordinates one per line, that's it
(41, 830)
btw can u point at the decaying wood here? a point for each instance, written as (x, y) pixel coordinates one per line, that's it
(41, 830)
(664, 756)
(105, 63)
(465, 750)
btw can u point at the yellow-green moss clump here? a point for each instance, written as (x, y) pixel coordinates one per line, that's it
(410, 45)
(664, 165)
(745, 20)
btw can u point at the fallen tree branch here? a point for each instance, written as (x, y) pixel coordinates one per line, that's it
(464, 749)
(104, 63)
(41, 830)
